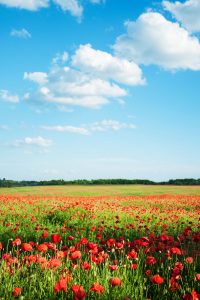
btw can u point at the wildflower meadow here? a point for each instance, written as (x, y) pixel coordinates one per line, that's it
(128, 247)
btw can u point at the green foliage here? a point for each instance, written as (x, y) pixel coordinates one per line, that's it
(12, 183)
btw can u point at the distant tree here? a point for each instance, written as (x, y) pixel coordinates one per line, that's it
(11, 183)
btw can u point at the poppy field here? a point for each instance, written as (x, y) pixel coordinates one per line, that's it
(62, 243)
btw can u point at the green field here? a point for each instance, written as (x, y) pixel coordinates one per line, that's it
(103, 190)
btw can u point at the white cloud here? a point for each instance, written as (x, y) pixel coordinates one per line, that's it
(26, 4)
(87, 129)
(66, 85)
(88, 102)
(73, 6)
(67, 128)
(188, 13)
(6, 96)
(38, 77)
(22, 33)
(110, 125)
(60, 57)
(33, 141)
(78, 89)
(152, 39)
(107, 66)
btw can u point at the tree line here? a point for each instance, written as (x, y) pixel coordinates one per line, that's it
(13, 183)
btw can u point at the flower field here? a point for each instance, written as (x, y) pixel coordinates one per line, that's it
(56, 246)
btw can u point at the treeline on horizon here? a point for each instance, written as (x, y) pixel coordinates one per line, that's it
(13, 183)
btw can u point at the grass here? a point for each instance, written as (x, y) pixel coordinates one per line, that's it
(104, 190)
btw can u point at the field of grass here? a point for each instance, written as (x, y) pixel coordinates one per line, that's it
(104, 190)
(123, 242)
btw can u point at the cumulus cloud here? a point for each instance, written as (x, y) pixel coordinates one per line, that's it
(87, 129)
(73, 85)
(188, 13)
(107, 66)
(152, 39)
(6, 96)
(38, 77)
(33, 141)
(26, 4)
(73, 6)
(22, 33)
(75, 88)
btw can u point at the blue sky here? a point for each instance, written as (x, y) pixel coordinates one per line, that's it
(99, 89)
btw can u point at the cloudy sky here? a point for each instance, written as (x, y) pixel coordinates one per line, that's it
(99, 89)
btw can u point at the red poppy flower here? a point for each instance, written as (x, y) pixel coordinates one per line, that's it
(26, 247)
(132, 254)
(70, 238)
(110, 242)
(76, 255)
(85, 266)
(92, 246)
(157, 279)
(97, 288)
(150, 260)
(17, 291)
(45, 234)
(192, 296)
(42, 248)
(119, 246)
(99, 236)
(113, 267)
(175, 250)
(197, 276)
(189, 260)
(32, 258)
(174, 286)
(134, 266)
(60, 285)
(51, 246)
(84, 241)
(179, 265)
(16, 242)
(148, 272)
(79, 292)
(55, 238)
(54, 262)
(115, 281)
